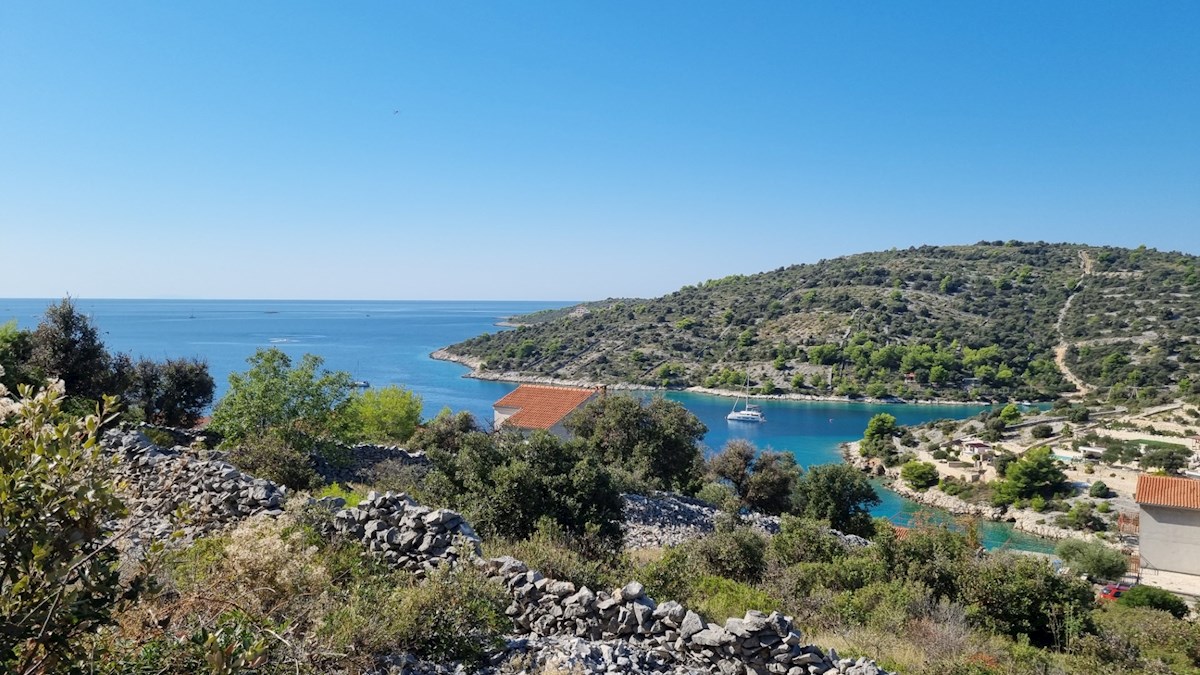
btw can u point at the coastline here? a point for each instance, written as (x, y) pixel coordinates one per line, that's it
(476, 373)
(1022, 520)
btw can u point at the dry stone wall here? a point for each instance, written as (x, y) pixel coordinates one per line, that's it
(619, 630)
(181, 490)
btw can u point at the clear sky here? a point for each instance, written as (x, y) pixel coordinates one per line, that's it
(573, 150)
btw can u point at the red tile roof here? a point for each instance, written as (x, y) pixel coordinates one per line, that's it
(542, 406)
(1179, 493)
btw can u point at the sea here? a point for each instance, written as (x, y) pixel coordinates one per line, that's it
(389, 342)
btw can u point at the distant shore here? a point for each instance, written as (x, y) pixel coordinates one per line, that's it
(479, 374)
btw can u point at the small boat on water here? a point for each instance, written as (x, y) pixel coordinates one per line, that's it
(749, 412)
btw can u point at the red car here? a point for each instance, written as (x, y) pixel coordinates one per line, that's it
(1113, 591)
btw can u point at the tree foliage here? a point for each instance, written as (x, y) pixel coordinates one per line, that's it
(58, 576)
(919, 475)
(838, 494)
(301, 403)
(67, 345)
(658, 441)
(390, 414)
(1154, 598)
(1092, 558)
(506, 483)
(763, 481)
(174, 392)
(1035, 473)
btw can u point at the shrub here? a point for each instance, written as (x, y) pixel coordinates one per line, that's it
(919, 475)
(940, 453)
(763, 481)
(839, 494)
(270, 456)
(1015, 594)
(737, 553)
(560, 555)
(1041, 431)
(1099, 490)
(717, 598)
(387, 415)
(1154, 598)
(59, 578)
(299, 404)
(1092, 558)
(720, 495)
(658, 440)
(174, 392)
(802, 540)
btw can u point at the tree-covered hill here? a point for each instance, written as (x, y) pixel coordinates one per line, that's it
(950, 322)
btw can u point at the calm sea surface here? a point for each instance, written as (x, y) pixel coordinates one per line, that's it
(389, 343)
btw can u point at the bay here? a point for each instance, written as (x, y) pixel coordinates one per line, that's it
(388, 342)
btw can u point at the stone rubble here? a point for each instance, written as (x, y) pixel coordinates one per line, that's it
(177, 494)
(666, 519)
(404, 534)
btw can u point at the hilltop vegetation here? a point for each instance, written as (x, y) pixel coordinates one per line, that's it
(957, 322)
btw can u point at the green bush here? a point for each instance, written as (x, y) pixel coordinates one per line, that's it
(838, 494)
(271, 457)
(919, 475)
(738, 554)
(560, 555)
(1041, 431)
(717, 598)
(300, 404)
(58, 574)
(1099, 490)
(1154, 598)
(1092, 558)
(802, 540)
(386, 415)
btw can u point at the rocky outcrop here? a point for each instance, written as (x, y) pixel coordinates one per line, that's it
(179, 493)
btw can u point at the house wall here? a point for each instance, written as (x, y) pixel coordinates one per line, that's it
(501, 414)
(1170, 539)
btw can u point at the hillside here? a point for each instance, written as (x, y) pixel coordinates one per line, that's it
(952, 322)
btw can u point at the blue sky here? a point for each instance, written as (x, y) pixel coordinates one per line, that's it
(571, 150)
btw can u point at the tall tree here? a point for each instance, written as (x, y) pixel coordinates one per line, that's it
(66, 345)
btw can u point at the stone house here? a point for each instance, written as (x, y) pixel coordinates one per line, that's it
(537, 406)
(1169, 514)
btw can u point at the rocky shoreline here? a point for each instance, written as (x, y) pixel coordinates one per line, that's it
(477, 373)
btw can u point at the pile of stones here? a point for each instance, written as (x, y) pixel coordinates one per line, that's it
(405, 534)
(179, 494)
(669, 634)
(666, 519)
(362, 461)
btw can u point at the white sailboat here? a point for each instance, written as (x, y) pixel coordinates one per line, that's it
(749, 411)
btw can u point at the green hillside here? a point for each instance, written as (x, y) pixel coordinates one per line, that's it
(952, 322)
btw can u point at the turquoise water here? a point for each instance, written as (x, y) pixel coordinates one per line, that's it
(389, 343)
